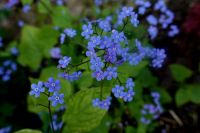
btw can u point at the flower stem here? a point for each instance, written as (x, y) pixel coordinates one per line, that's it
(50, 116)
(125, 23)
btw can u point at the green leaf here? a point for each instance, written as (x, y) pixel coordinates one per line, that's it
(194, 93)
(35, 44)
(133, 71)
(28, 131)
(182, 96)
(165, 96)
(44, 6)
(24, 2)
(180, 72)
(141, 128)
(130, 129)
(104, 126)
(80, 115)
(146, 78)
(61, 17)
(47, 38)
(29, 52)
(33, 103)
(85, 81)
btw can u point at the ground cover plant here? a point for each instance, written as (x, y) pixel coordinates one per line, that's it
(99, 66)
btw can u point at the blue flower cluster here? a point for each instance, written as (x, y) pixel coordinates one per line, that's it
(110, 48)
(104, 104)
(7, 68)
(11, 3)
(69, 32)
(63, 63)
(26, 8)
(5, 129)
(1, 42)
(56, 123)
(151, 111)
(14, 51)
(125, 13)
(55, 53)
(59, 2)
(98, 2)
(20, 23)
(52, 86)
(165, 18)
(120, 92)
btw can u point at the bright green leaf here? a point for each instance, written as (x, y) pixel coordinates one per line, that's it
(80, 115)
(44, 6)
(24, 2)
(85, 81)
(35, 44)
(61, 17)
(29, 52)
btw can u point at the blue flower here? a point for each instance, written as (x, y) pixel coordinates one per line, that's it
(173, 30)
(105, 42)
(99, 75)
(126, 11)
(118, 91)
(57, 98)
(20, 23)
(5, 129)
(14, 51)
(87, 31)
(64, 62)
(1, 70)
(152, 20)
(145, 121)
(160, 5)
(109, 57)
(94, 41)
(96, 63)
(70, 32)
(135, 58)
(158, 57)
(74, 76)
(1, 42)
(118, 37)
(153, 32)
(111, 72)
(36, 89)
(134, 19)
(141, 10)
(11, 3)
(128, 96)
(55, 53)
(71, 77)
(91, 53)
(62, 38)
(52, 85)
(26, 8)
(129, 83)
(105, 104)
(59, 2)
(105, 25)
(98, 2)
(96, 102)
